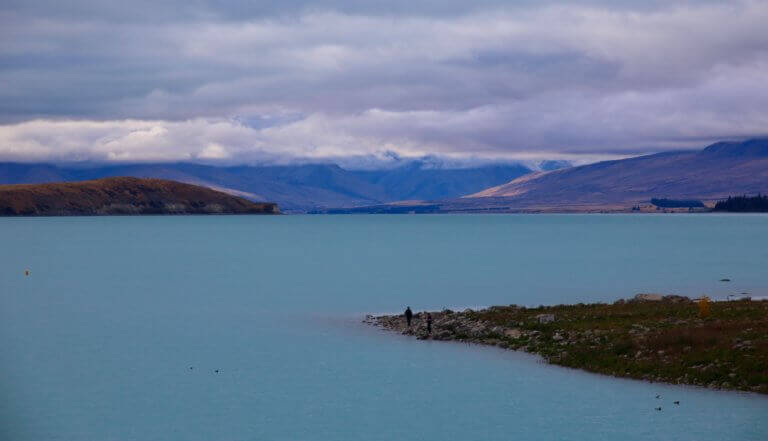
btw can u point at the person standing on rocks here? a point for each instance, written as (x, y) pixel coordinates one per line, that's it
(429, 323)
(408, 315)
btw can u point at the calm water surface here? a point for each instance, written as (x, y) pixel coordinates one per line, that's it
(119, 330)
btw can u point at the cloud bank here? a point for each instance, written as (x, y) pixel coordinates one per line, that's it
(247, 82)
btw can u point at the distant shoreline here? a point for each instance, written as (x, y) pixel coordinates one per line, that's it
(651, 337)
(337, 212)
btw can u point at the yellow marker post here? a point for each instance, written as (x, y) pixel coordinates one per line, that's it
(704, 307)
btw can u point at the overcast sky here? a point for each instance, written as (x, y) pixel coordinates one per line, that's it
(250, 81)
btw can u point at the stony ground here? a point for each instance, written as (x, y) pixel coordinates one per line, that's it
(650, 338)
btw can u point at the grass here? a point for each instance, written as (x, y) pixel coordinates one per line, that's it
(652, 340)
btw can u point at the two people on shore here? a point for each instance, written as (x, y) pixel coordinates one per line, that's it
(409, 317)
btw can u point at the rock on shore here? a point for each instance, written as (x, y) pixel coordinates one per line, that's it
(446, 325)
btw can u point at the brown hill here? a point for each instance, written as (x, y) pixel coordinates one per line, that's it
(122, 195)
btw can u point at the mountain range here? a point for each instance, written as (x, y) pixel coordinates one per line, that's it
(717, 171)
(296, 188)
(714, 173)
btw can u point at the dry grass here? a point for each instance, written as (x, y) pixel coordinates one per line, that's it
(122, 195)
(658, 341)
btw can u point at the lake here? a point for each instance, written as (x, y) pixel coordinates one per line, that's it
(248, 327)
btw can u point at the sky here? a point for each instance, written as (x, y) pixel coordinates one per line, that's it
(279, 81)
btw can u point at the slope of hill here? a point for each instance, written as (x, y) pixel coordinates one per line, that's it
(720, 170)
(296, 188)
(417, 180)
(122, 195)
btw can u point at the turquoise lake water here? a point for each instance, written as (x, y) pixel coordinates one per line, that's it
(97, 343)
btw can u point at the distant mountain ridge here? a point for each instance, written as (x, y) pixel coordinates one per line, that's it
(756, 148)
(295, 188)
(720, 170)
(717, 171)
(417, 181)
(122, 195)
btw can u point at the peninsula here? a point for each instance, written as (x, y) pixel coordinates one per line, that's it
(122, 196)
(651, 337)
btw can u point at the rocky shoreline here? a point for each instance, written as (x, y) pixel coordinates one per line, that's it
(650, 337)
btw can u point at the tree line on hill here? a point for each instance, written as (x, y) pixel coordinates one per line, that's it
(675, 203)
(744, 203)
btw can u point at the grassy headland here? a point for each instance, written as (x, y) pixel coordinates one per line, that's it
(650, 338)
(122, 196)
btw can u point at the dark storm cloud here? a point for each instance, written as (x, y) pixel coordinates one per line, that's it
(243, 81)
